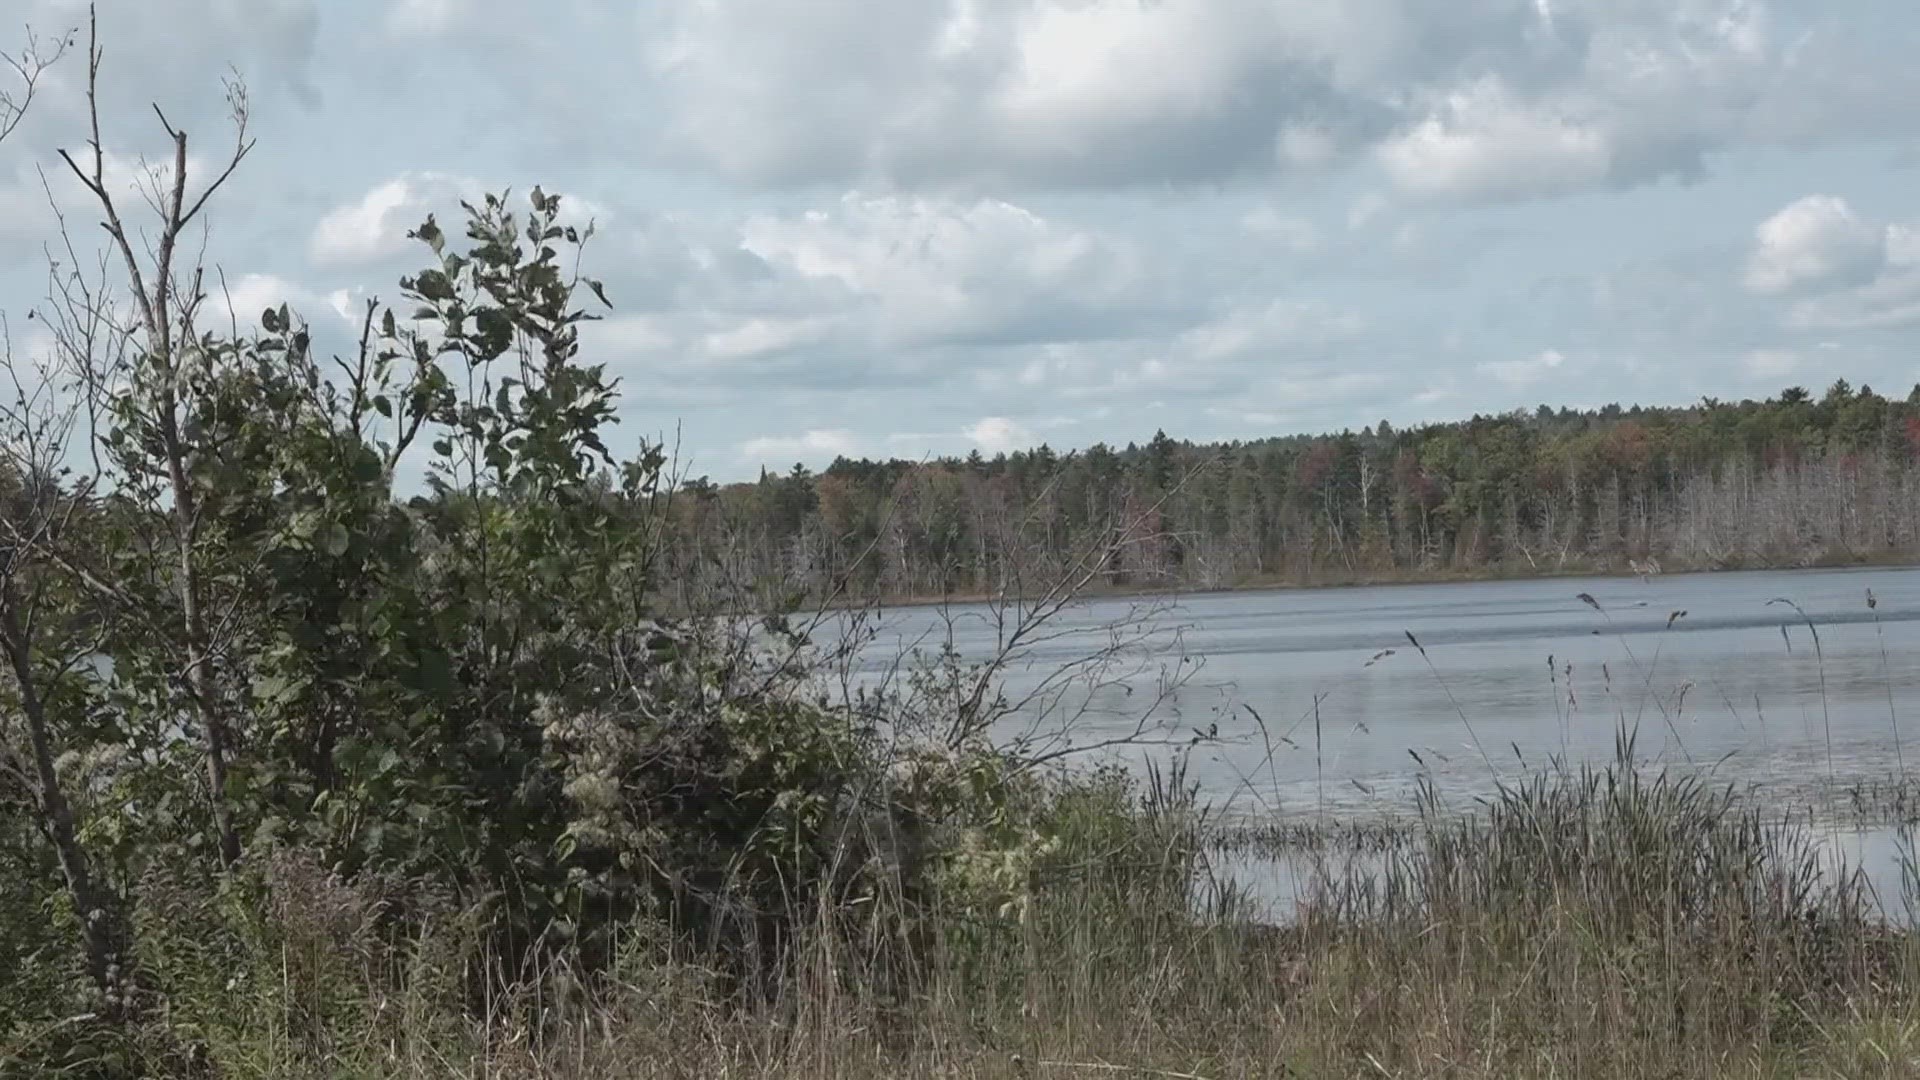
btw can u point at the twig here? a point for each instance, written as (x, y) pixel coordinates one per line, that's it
(1102, 1066)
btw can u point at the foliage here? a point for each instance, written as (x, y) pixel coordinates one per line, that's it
(1785, 481)
(248, 656)
(279, 728)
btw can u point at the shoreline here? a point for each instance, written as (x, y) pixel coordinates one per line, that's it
(1367, 580)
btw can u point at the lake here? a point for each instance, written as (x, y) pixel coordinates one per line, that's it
(1317, 702)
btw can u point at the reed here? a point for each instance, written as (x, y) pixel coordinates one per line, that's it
(1602, 922)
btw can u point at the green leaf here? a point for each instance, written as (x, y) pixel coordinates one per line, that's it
(435, 671)
(433, 285)
(430, 232)
(599, 291)
(334, 539)
(383, 406)
(495, 329)
(273, 689)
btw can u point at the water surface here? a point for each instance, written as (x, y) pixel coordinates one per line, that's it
(1319, 702)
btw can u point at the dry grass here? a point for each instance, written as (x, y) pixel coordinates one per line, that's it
(1601, 924)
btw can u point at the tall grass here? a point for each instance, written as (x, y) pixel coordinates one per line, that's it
(1607, 922)
(1604, 923)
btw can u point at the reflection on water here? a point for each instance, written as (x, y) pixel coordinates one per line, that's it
(1341, 703)
(1275, 884)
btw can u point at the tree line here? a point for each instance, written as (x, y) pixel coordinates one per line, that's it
(1792, 480)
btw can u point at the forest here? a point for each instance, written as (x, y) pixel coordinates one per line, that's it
(1795, 480)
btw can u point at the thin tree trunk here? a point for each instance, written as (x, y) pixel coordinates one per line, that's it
(97, 914)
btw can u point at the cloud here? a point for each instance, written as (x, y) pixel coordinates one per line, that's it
(1771, 363)
(922, 272)
(760, 337)
(28, 220)
(1476, 101)
(1480, 143)
(638, 334)
(813, 445)
(1073, 92)
(1891, 301)
(1522, 373)
(1839, 269)
(25, 220)
(176, 52)
(1261, 329)
(999, 435)
(243, 298)
(421, 18)
(1289, 232)
(1816, 241)
(373, 230)
(868, 291)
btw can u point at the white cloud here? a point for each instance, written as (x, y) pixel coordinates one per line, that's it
(1890, 301)
(374, 229)
(1305, 145)
(241, 300)
(998, 435)
(1482, 142)
(421, 17)
(1840, 269)
(24, 217)
(1087, 71)
(760, 337)
(813, 445)
(1488, 100)
(1816, 241)
(1291, 233)
(175, 51)
(27, 220)
(1276, 326)
(1066, 90)
(868, 291)
(1365, 210)
(1771, 363)
(249, 295)
(1522, 373)
(920, 272)
(630, 334)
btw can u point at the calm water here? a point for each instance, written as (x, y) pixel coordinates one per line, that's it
(1720, 687)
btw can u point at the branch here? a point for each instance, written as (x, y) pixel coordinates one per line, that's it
(95, 180)
(27, 66)
(242, 146)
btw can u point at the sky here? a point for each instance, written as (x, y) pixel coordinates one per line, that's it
(913, 227)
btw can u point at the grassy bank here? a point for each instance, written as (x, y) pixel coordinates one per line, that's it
(1603, 924)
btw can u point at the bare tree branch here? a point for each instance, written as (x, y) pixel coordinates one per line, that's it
(25, 69)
